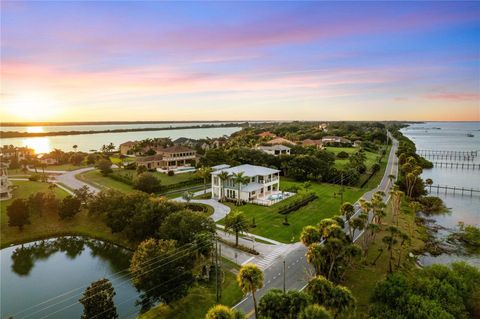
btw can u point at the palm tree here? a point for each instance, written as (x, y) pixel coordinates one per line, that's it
(416, 207)
(240, 180)
(223, 176)
(347, 210)
(404, 238)
(236, 222)
(223, 312)
(392, 178)
(397, 196)
(390, 241)
(250, 279)
(354, 224)
(75, 147)
(204, 172)
(371, 231)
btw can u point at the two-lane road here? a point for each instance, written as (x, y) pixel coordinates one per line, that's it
(297, 269)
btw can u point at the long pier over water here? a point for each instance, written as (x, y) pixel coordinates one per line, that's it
(471, 153)
(445, 189)
(457, 165)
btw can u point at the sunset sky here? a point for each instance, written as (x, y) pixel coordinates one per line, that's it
(89, 61)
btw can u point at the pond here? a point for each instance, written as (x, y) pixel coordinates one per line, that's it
(45, 279)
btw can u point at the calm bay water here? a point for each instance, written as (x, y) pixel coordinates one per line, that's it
(36, 272)
(451, 136)
(90, 142)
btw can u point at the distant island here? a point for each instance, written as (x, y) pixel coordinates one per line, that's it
(12, 134)
(8, 124)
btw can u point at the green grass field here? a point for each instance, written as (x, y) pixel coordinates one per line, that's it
(270, 223)
(95, 178)
(63, 167)
(371, 157)
(49, 225)
(164, 178)
(18, 172)
(200, 298)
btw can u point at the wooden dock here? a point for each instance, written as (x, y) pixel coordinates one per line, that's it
(470, 153)
(454, 190)
(451, 157)
(457, 165)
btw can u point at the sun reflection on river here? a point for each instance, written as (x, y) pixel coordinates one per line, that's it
(39, 144)
(35, 129)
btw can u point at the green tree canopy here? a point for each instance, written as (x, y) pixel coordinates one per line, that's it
(97, 301)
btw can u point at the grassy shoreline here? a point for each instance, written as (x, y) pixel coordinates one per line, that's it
(364, 276)
(49, 225)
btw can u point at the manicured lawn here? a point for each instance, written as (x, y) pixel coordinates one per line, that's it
(270, 223)
(62, 167)
(164, 178)
(342, 163)
(200, 298)
(116, 159)
(375, 180)
(363, 277)
(49, 225)
(95, 178)
(17, 172)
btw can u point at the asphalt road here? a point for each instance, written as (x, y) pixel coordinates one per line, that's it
(297, 269)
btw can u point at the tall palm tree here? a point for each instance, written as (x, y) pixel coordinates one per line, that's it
(236, 222)
(223, 176)
(354, 224)
(390, 241)
(250, 279)
(75, 147)
(204, 172)
(240, 180)
(347, 210)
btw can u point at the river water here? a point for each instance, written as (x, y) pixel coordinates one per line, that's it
(45, 279)
(90, 142)
(451, 136)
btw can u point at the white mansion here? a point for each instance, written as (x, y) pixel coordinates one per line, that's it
(263, 182)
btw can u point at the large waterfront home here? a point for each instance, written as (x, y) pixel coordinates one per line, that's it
(276, 150)
(260, 183)
(169, 158)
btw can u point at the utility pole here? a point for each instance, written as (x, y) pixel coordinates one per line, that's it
(216, 270)
(342, 190)
(220, 286)
(284, 270)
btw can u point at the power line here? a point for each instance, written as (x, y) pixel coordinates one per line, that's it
(127, 276)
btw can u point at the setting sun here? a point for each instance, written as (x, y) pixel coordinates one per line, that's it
(36, 106)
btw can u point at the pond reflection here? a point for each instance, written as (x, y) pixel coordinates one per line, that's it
(35, 272)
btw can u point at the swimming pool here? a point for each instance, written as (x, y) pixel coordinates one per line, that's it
(275, 196)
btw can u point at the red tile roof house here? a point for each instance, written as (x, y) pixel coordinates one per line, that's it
(169, 158)
(266, 134)
(280, 140)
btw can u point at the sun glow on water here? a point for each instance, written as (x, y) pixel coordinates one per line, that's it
(39, 144)
(35, 129)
